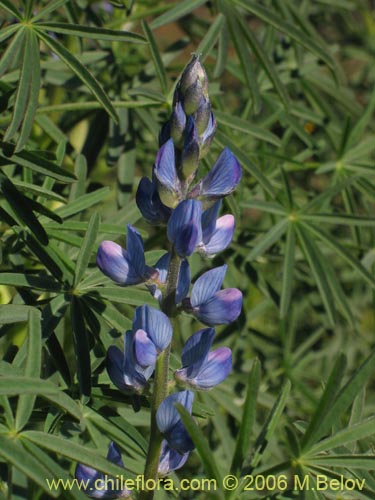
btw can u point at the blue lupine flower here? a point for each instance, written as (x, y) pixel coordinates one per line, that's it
(150, 204)
(156, 324)
(170, 424)
(184, 227)
(123, 368)
(211, 305)
(151, 334)
(216, 233)
(221, 180)
(168, 183)
(202, 369)
(96, 484)
(183, 280)
(170, 459)
(125, 267)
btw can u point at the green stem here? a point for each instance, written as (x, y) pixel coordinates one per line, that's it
(160, 380)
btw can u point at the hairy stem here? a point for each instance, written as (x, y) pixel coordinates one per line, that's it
(160, 380)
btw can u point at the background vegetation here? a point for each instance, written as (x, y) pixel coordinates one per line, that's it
(82, 101)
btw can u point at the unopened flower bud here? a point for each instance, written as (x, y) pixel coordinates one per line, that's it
(177, 123)
(193, 72)
(193, 97)
(190, 152)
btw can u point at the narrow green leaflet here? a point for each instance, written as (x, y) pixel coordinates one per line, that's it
(12, 313)
(248, 418)
(86, 248)
(129, 296)
(179, 10)
(209, 40)
(32, 368)
(269, 427)
(264, 206)
(50, 7)
(199, 440)
(346, 219)
(246, 63)
(95, 33)
(38, 190)
(83, 202)
(82, 349)
(155, 54)
(25, 85)
(267, 240)
(11, 51)
(314, 258)
(288, 270)
(9, 6)
(264, 60)
(352, 461)
(330, 392)
(81, 71)
(76, 452)
(236, 123)
(347, 435)
(34, 161)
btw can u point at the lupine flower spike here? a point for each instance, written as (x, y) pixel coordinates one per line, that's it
(98, 485)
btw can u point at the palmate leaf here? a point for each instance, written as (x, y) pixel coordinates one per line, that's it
(80, 71)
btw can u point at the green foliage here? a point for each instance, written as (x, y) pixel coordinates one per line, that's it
(85, 87)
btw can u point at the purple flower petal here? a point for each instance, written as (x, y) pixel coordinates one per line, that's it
(115, 368)
(113, 261)
(222, 308)
(149, 203)
(215, 369)
(195, 351)
(207, 285)
(167, 417)
(178, 438)
(155, 323)
(136, 253)
(209, 221)
(97, 485)
(222, 178)
(145, 350)
(170, 459)
(184, 227)
(165, 172)
(220, 238)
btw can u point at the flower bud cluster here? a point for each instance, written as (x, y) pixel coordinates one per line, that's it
(190, 210)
